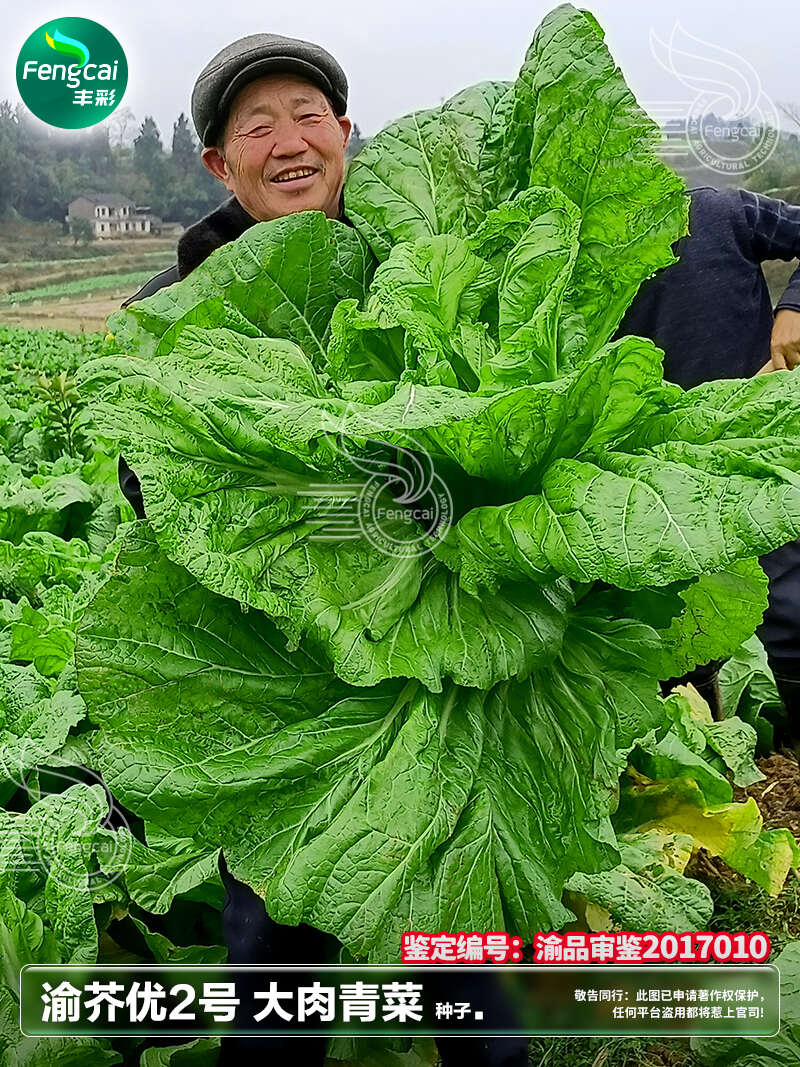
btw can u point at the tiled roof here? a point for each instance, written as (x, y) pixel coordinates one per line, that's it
(109, 199)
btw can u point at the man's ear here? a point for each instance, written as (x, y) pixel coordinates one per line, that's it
(214, 162)
(345, 125)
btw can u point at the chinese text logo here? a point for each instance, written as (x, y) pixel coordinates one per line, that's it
(72, 73)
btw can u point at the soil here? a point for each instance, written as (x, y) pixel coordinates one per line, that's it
(778, 796)
(715, 873)
(74, 315)
(778, 799)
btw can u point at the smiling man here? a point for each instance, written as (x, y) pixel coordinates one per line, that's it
(270, 113)
(282, 148)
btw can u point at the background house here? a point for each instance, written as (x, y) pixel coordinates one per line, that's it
(112, 215)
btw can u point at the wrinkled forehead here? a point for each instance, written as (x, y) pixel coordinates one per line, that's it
(274, 95)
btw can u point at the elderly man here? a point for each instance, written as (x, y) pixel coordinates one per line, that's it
(270, 113)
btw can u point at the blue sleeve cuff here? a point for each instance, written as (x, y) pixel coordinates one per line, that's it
(791, 294)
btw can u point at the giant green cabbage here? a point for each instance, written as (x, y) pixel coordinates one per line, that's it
(422, 534)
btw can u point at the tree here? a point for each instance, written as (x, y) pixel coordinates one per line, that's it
(147, 145)
(148, 152)
(120, 128)
(44, 168)
(184, 150)
(12, 158)
(81, 230)
(95, 148)
(149, 160)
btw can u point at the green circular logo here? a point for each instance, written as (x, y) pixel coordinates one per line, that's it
(72, 73)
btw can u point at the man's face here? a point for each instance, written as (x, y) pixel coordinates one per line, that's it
(280, 125)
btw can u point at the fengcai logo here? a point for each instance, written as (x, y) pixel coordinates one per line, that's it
(72, 73)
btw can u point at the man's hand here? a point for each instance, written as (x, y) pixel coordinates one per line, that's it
(784, 345)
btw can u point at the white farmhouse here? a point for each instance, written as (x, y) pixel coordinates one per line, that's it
(112, 215)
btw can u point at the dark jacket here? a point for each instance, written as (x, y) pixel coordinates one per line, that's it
(711, 311)
(225, 223)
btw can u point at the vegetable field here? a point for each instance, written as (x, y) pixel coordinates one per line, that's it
(77, 293)
(131, 281)
(421, 539)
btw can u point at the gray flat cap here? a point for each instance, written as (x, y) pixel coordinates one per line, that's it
(251, 57)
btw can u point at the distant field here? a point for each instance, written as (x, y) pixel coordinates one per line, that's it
(81, 315)
(81, 287)
(78, 293)
(26, 264)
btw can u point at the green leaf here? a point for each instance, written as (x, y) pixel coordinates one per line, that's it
(164, 951)
(630, 520)
(671, 758)
(46, 862)
(648, 891)
(432, 172)
(46, 501)
(279, 279)
(543, 226)
(44, 638)
(17, 1050)
(311, 802)
(592, 141)
(731, 739)
(34, 722)
(747, 690)
(481, 113)
(24, 937)
(372, 603)
(202, 1052)
(155, 874)
(42, 559)
(434, 290)
(383, 1051)
(721, 610)
(700, 620)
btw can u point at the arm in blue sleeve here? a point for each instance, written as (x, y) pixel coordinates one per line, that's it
(775, 231)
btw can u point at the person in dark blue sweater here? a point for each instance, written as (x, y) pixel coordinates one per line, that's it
(711, 311)
(712, 315)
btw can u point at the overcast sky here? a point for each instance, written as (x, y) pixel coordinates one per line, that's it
(408, 54)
